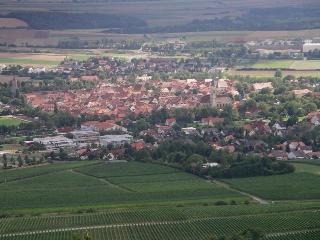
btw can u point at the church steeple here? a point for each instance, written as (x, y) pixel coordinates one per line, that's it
(213, 96)
(14, 86)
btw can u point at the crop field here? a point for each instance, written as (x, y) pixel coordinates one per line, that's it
(288, 64)
(39, 59)
(309, 168)
(270, 73)
(134, 200)
(295, 186)
(12, 23)
(75, 186)
(143, 215)
(188, 228)
(10, 121)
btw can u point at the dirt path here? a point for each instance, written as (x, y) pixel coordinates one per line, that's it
(227, 186)
(104, 181)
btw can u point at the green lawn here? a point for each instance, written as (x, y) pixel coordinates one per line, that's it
(9, 121)
(287, 64)
(30, 61)
(274, 64)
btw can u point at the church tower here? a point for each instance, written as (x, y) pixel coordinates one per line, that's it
(213, 96)
(14, 86)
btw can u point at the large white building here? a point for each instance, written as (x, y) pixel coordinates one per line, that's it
(115, 140)
(55, 143)
(84, 138)
(307, 47)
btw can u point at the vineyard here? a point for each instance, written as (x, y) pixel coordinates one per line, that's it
(281, 187)
(132, 200)
(195, 228)
(99, 185)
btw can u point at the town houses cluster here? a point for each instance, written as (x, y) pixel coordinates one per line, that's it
(120, 100)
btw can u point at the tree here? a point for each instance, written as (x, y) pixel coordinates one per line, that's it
(4, 161)
(27, 159)
(20, 162)
(278, 73)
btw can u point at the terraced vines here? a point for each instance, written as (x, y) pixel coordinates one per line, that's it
(143, 201)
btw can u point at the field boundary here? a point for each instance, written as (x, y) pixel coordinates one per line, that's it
(104, 180)
(229, 187)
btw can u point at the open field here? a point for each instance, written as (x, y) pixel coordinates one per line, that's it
(39, 59)
(295, 186)
(288, 64)
(270, 73)
(12, 23)
(156, 13)
(74, 186)
(10, 121)
(309, 168)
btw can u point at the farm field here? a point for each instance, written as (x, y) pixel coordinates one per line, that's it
(10, 121)
(309, 168)
(39, 59)
(288, 64)
(270, 73)
(12, 23)
(75, 186)
(295, 186)
(143, 215)
(194, 228)
(134, 200)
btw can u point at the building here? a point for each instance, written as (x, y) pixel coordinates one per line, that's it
(55, 143)
(101, 126)
(84, 138)
(259, 86)
(211, 121)
(116, 140)
(310, 47)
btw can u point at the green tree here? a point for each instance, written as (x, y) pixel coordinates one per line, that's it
(4, 161)
(278, 73)
(20, 162)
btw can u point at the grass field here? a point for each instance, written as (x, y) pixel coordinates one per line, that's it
(309, 168)
(295, 186)
(39, 59)
(270, 73)
(9, 121)
(288, 64)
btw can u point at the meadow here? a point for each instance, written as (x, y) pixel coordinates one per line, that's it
(270, 73)
(287, 64)
(10, 121)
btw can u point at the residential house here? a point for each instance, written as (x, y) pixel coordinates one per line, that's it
(212, 121)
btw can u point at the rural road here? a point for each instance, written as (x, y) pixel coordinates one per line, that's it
(227, 186)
